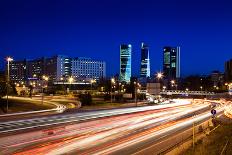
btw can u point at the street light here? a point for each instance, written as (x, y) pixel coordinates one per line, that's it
(173, 83)
(45, 78)
(8, 59)
(159, 75)
(135, 85)
(119, 87)
(112, 81)
(92, 81)
(70, 80)
(201, 88)
(63, 87)
(164, 88)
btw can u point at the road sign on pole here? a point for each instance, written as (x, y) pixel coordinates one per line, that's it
(213, 112)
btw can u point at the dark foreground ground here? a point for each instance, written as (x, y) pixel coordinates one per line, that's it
(22, 106)
(218, 142)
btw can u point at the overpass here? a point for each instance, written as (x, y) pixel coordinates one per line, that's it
(183, 92)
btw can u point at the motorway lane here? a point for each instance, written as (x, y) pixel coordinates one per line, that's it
(83, 128)
(18, 125)
(85, 140)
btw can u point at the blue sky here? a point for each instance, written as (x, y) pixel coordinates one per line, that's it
(96, 28)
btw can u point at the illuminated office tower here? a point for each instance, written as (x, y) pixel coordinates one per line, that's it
(145, 62)
(171, 62)
(125, 62)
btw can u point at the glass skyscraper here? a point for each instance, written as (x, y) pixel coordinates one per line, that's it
(145, 61)
(171, 62)
(125, 62)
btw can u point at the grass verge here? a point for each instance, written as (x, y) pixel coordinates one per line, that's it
(22, 106)
(218, 142)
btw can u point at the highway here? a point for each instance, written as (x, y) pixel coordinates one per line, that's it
(116, 131)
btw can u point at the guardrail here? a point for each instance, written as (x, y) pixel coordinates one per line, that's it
(182, 92)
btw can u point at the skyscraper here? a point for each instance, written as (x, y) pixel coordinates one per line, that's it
(171, 62)
(145, 61)
(125, 62)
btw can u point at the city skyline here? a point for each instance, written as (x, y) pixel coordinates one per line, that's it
(58, 68)
(48, 28)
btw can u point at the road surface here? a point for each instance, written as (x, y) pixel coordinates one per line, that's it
(117, 131)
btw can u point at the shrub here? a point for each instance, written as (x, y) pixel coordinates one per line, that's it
(107, 97)
(85, 99)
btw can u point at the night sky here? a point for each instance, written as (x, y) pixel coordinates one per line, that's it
(96, 28)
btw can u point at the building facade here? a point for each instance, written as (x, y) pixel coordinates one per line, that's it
(217, 78)
(125, 62)
(51, 68)
(87, 69)
(171, 62)
(18, 71)
(63, 67)
(228, 71)
(57, 68)
(145, 62)
(36, 68)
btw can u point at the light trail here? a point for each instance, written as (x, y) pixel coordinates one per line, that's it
(18, 125)
(87, 127)
(84, 137)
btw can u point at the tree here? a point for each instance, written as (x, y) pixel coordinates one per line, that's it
(2, 93)
(2, 89)
(85, 99)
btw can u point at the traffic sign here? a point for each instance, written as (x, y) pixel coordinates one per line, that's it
(213, 111)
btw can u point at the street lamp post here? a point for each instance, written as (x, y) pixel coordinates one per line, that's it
(172, 83)
(63, 88)
(70, 82)
(119, 88)
(159, 76)
(9, 59)
(45, 78)
(92, 81)
(111, 81)
(135, 85)
(201, 88)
